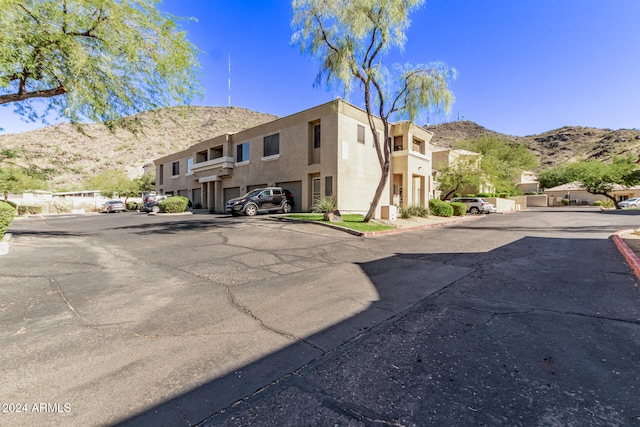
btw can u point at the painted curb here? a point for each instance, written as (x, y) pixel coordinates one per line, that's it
(630, 256)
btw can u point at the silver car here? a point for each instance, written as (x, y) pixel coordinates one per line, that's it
(630, 203)
(475, 205)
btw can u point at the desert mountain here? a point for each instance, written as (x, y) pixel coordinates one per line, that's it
(569, 143)
(70, 155)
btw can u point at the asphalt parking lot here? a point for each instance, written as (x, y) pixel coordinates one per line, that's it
(136, 319)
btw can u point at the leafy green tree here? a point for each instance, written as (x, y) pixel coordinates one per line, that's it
(502, 161)
(350, 39)
(146, 183)
(113, 181)
(558, 175)
(456, 176)
(594, 176)
(15, 180)
(93, 60)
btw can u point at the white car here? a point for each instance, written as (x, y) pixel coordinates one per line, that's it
(630, 203)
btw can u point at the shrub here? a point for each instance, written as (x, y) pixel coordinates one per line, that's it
(413, 210)
(440, 208)
(405, 212)
(604, 203)
(132, 206)
(324, 204)
(173, 204)
(459, 209)
(31, 210)
(7, 213)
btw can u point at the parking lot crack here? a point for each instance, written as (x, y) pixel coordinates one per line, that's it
(57, 288)
(262, 324)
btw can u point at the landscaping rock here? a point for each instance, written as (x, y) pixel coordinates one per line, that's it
(333, 216)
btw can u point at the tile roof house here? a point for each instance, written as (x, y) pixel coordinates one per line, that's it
(577, 195)
(326, 150)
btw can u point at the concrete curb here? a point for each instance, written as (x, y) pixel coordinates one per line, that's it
(382, 232)
(629, 255)
(420, 227)
(4, 244)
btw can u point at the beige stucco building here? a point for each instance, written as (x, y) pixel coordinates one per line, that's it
(327, 150)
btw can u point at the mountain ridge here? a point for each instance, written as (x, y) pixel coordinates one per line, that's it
(70, 154)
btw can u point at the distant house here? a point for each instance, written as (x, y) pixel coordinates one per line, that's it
(528, 182)
(327, 150)
(577, 195)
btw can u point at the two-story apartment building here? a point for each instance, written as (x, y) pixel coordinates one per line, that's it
(327, 150)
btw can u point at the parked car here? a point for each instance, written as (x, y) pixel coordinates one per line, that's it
(150, 203)
(475, 205)
(113, 206)
(630, 203)
(270, 199)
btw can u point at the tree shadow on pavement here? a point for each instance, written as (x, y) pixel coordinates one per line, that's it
(499, 333)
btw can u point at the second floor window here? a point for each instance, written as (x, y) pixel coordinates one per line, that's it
(316, 136)
(175, 169)
(242, 152)
(361, 134)
(271, 145)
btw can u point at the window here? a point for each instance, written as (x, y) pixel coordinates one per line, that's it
(328, 186)
(418, 146)
(175, 169)
(272, 145)
(189, 166)
(242, 152)
(316, 136)
(397, 143)
(361, 134)
(161, 173)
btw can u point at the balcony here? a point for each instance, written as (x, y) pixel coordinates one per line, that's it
(221, 166)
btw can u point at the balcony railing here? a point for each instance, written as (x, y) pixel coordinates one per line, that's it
(225, 164)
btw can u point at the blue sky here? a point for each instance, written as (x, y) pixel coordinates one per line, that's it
(524, 66)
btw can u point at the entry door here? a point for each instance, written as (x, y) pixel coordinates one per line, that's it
(317, 195)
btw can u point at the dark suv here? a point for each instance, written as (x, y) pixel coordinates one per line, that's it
(270, 199)
(150, 203)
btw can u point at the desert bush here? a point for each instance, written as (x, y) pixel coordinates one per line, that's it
(173, 204)
(7, 213)
(405, 212)
(440, 208)
(324, 204)
(413, 210)
(604, 203)
(459, 209)
(31, 210)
